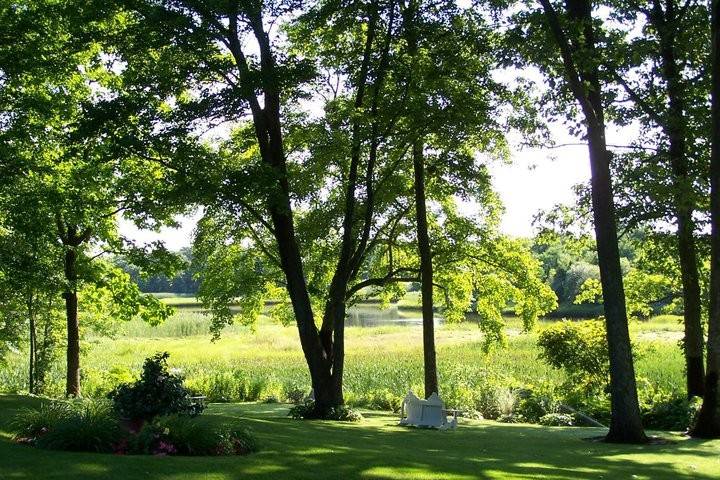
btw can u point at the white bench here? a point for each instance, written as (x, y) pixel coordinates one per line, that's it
(429, 413)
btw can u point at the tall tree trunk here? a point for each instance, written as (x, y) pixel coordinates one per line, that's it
(33, 345)
(426, 271)
(332, 331)
(625, 422)
(337, 311)
(268, 130)
(675, 127)
(708, 422)
(72, 385)
(411, 18)
(692, 315)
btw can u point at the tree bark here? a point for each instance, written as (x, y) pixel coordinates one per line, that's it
(708, 421)
(692, 315)
(426, 271)
(268, 129)
(675, 127)
(693, 342)
(72, 385)
(411, 18)
(32, 388)
(332, 331)
(625, 422)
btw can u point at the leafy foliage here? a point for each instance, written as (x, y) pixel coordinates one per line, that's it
(183, 435)
(157, 392)
(580, 349)
(80, 426)
(557, 420)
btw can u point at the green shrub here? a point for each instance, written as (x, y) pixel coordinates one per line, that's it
(157, 392)
(666, 409)
(183, 435)
(557, 420)
(79, 426)
(30, 422)
(512, 418)
(307, 411)
(578, 348)
(535, 401)
(487, 401)
(294, 394)
(382, 400)
(531, 408)
(595, 406)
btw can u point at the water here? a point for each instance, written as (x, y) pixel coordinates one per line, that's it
(373, 316)
(364, 315)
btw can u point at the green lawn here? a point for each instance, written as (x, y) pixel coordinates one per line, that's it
(377, 448)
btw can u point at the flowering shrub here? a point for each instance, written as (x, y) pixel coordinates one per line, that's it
(557, 420)
(93, 426)
(182, 435)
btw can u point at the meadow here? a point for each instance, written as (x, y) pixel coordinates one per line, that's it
(383, 362)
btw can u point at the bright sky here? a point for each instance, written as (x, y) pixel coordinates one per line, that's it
(536, 180)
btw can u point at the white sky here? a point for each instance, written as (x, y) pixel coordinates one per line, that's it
(537, 180)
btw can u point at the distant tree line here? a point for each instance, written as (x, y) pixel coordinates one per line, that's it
(183, 282)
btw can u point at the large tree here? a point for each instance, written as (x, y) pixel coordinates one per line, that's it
(708, 421)
(573, 30)
(322, 200)
(663, 78)
(66, 175)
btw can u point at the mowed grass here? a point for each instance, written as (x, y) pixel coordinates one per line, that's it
(376, 448)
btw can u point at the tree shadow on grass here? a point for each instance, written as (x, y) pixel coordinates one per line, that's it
(377, 448)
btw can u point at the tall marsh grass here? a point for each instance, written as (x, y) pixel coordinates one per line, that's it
(382, 363)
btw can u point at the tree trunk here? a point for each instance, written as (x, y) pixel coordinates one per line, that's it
(33, 346)
(583, 79)
(72, 385)
(625, 422)
(318, 360)
(43, 352)
(675, 127)
(410, 17)
(332, 331)
(336, 311)
(708, 422)
(426, 271)
(319, 363)
(692, 314)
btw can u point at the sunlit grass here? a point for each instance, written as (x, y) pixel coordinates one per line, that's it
(382, 362)
(376, 448)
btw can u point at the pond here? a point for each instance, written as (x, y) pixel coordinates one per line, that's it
(362, 315)
(373, 316)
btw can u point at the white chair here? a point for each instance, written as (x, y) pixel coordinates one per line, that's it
(425, 413)
(411, 410)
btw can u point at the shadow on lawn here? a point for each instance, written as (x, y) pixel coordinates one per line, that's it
(373, 449)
